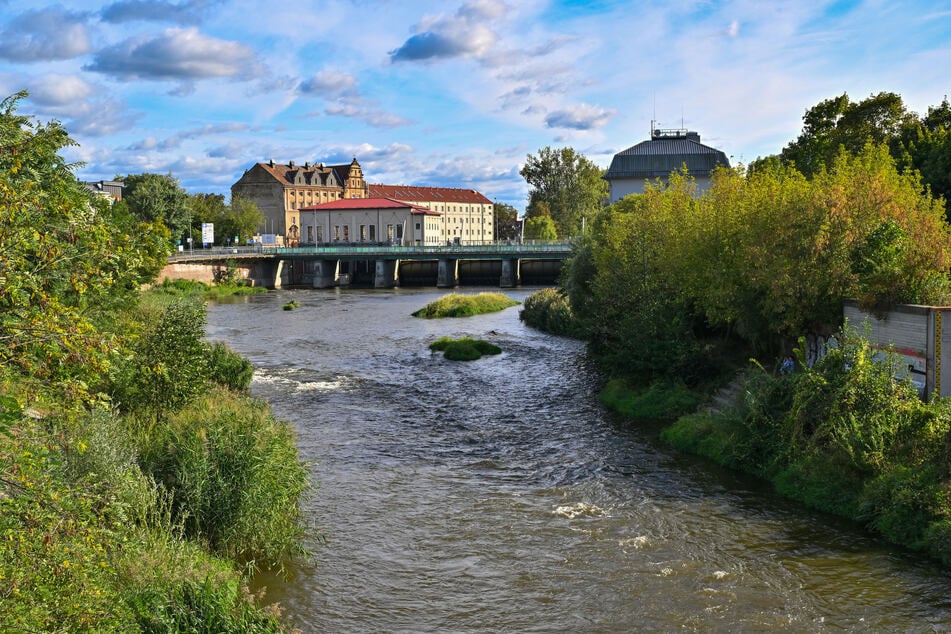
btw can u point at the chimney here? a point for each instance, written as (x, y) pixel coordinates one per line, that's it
(290, 163)
(306, 165)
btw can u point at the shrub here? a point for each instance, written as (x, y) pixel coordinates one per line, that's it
(170, 364)
(228, 368)
(549, 310)
(454, 305)
(234, 477)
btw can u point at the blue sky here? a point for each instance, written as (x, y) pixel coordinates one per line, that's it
(448, 93)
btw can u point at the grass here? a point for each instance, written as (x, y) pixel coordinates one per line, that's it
(464, 349)
(212, 292)
(454, 305)
(292, 305)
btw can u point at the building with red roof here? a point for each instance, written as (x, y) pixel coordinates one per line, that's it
(367, 220)
(290, 194)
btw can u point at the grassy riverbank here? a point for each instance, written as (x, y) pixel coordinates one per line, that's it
(842, 437)
(148, 508)
(454, 305)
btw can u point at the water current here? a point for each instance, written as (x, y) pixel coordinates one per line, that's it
(499, 495)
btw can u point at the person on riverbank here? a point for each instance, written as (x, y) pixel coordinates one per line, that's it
(788, 366)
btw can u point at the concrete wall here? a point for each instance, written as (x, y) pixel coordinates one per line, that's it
(920, 335)
(621, 187)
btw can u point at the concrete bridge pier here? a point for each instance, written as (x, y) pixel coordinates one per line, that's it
(386, 274)
(510, 273)
(448, 273)
(326, 273)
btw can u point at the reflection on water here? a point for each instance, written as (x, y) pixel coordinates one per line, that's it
(499, 496)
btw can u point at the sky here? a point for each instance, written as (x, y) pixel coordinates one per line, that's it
(452, 94)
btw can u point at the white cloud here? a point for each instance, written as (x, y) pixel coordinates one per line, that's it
(45, 34)
(176, 54)
(581, 117)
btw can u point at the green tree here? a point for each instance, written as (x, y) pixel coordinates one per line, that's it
(244, 218)
(569, 183)
(66, 259)
(839, 122)
(540, 228)
(170, 364)
(203, 208)
(506, 222)
(157, 198)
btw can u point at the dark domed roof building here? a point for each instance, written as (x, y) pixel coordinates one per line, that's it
(666, 151)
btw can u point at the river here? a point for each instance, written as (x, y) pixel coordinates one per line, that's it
(499, 495)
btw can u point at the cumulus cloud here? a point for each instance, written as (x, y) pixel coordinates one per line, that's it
(59, 91)
(45, 34)
(371, 116)
(176, 54)
(133, 10)
(330, 84)
(581, 117)
(463, 34)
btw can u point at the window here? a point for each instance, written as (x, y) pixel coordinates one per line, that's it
(363, 233)
(417, 226)
(389, 232)
(372, 233)
(337, 232)
(320, 234)
(346, 233)
(310, 233)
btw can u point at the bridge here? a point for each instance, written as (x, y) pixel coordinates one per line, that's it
(383, 264)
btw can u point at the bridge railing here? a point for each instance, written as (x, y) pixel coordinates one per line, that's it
(385, 249)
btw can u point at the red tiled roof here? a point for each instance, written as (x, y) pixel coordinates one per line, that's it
(370, 203)
(413, 193)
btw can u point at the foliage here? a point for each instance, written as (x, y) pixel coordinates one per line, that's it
(66, 260)
(192, 288)
(506, 222)
(454, 305)
(840, 124)
(464, 349)
(157, 198)
(233, 475)
(550, 311)
(87, 540)
(540, 228)
(661, 401)
(568, 183)
(228, 368)
(765, 257)
(845, 437)
(170, 363)
(291, 305)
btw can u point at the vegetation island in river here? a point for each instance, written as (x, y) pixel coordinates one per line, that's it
(455, 305)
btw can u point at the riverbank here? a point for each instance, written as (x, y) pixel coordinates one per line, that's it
(149, 510)
(842, 437)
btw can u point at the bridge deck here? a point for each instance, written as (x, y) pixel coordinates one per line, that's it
(357, 251)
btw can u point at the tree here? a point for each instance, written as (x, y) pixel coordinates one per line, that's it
(66, 259)
(839, 122)
(506, 222)
(244, 218)
(540, 228)
(570, 184)
(157, 198)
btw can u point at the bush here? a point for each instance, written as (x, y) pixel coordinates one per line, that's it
(549, 310)
(228, 368)
(454, 305)
(234, 477)
(170, 364)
